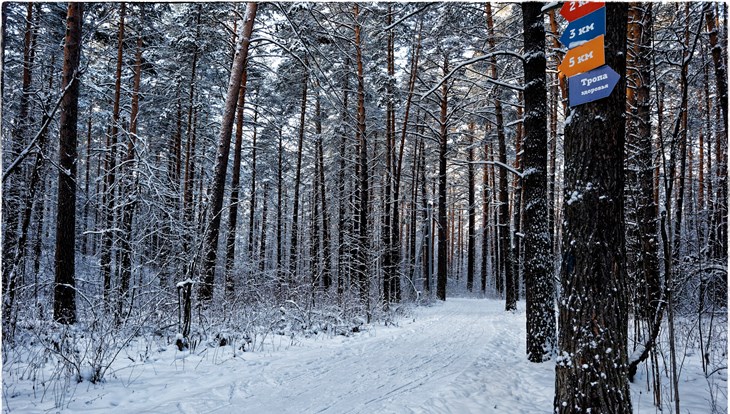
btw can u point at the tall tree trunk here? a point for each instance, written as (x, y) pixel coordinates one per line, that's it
(326, 269)
(362, 252)
(87, 176)
(314, 259)
(229, 282)
(517, 202)
(486, 198)
(680, 133)
(719, 59)
(293, 245)
(189, 179)
(252, 204)
(129, 181)
(262, 246)
(471, 242)
(442, 223)
(389, 226)
(591, 370)
(342, 265)
(11, 188)
(505, 251)
(279, 217)
(399, 166)
(539, 287)
(111, 166)
(415, 174)
(643, 158)
(221, 165)
(64, 292)
(426, 205)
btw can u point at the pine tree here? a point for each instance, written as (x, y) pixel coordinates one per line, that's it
(539, 287)
(591, 370)
(224, 144)
(64, 292)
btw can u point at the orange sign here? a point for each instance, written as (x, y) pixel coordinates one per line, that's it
(583, 58)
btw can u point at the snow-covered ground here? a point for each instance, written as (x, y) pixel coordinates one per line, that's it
(461, 356)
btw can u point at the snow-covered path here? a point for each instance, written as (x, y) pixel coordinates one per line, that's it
(447, 358)
(461, 356)
(446, 361)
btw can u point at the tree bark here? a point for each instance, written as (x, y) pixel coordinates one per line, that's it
(591, 369)
(229, 282)
(216, 203)
(539, 287)
(64, 292)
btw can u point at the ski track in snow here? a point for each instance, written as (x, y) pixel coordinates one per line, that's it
(448, 360)
(461, 356)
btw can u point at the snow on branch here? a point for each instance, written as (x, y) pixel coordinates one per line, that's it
(399, 21)
(471, 62)
(550, 6)
(32, 144)
(499, 164)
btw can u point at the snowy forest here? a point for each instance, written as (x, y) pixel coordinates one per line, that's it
(365, 207)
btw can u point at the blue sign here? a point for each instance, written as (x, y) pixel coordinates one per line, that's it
(584, 29)
(592, 85)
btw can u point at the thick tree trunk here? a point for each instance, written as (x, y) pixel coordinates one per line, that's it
(221, 165)
(64, 292)
(591, 370)
(539, 286)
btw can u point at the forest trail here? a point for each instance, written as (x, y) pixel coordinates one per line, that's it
(461, 356)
